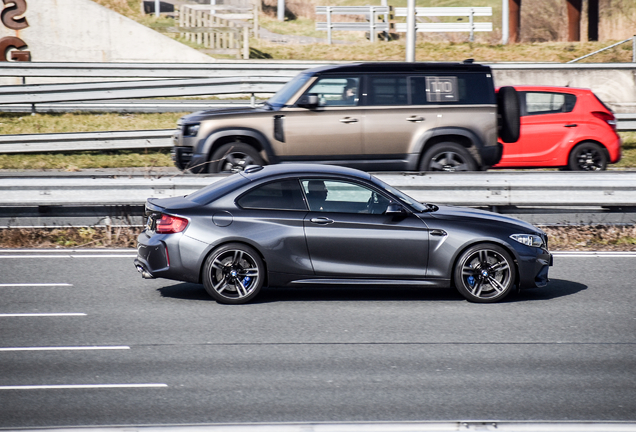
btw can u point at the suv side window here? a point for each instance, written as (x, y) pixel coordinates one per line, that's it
(391, 90)
(533, 103)
(337, 91)
(459, 88)
(278, 195)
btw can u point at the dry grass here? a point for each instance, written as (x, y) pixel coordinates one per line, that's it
(615, 238)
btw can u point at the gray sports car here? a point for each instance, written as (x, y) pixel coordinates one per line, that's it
(296, 225)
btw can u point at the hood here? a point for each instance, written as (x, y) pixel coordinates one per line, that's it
(467, 214)
(204, 115)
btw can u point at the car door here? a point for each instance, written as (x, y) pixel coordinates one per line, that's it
(349, 236)
(546, 124)
(331, 131)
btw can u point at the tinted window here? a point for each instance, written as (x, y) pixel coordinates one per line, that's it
(282, 96)
(217, 189)
(280, 195)
(336, 91)
(533, 103)
(440, 89)
(342, 197)
(391, 90)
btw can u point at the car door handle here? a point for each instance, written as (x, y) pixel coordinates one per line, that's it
(348, 120)
(415, 119)
(321, 221)
(438, 232)
(571, 125)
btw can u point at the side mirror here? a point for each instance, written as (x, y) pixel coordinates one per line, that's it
(308, 101)
(395, 209)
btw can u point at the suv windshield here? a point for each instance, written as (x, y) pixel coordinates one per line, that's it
(283, 95)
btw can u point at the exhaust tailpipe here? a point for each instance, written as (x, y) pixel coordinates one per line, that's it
(144, 273)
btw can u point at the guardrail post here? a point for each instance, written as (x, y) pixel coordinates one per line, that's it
(157, 8)
(329, 24)
(252, 100)
(372, 24)
(634, 49)
(472, 25)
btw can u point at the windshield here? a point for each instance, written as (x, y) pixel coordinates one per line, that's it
(411, 202)
(282, 96)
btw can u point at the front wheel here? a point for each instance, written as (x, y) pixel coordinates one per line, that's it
(447, 157)
(233, 274)
(234, 157)
(588, 156)
(485, 273)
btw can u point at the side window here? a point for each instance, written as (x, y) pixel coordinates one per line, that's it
(459, 88)
(547, 103)
(342, 197)
(391, 90)
(341, 91)
(279, 195)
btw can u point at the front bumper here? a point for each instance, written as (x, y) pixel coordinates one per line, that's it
(533, 269)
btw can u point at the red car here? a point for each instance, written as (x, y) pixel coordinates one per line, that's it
(563, 127)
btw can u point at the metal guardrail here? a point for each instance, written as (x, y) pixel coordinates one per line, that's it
(138, 89)
(83, 141)
(130, 106)
(155, 70)
(120, 140)
(493, 189)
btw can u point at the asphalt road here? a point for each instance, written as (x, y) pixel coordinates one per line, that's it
(120, 350)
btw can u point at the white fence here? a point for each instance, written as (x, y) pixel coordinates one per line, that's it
(439, 27)
(372, 13)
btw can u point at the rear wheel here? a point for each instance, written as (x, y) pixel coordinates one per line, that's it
(588, 156)
(485, 273)
(233, 274)
(234, 157)
(449, 157)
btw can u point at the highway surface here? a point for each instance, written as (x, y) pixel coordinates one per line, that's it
(85, 341)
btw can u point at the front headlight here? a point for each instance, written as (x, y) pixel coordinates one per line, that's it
(528, 239)
(191, 129)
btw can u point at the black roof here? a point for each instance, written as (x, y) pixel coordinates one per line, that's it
(390, 67)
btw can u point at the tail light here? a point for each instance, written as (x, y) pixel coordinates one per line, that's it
(606, 117)
(170, 224)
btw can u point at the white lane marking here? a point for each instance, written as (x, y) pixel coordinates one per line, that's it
(66, 256)
(80, 386)
(41, 314)
(576, 254)
(69, 348)
(67, 251)
(22, 285)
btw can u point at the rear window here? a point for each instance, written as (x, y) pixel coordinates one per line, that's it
(217, 189)
(438, 89)
(536, 103)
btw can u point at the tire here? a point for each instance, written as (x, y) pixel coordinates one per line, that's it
(587, 156)
(449, 157)
(485, 273)
(509, 114)
(233, 274)
(234, 157)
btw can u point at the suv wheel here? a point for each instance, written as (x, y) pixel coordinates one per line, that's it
(587, 156)
(449, 157)
(234, 157)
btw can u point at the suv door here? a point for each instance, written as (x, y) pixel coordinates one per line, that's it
(331, 131)
(392, 120)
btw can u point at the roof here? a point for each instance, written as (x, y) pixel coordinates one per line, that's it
(304, 170)
(389, 67)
